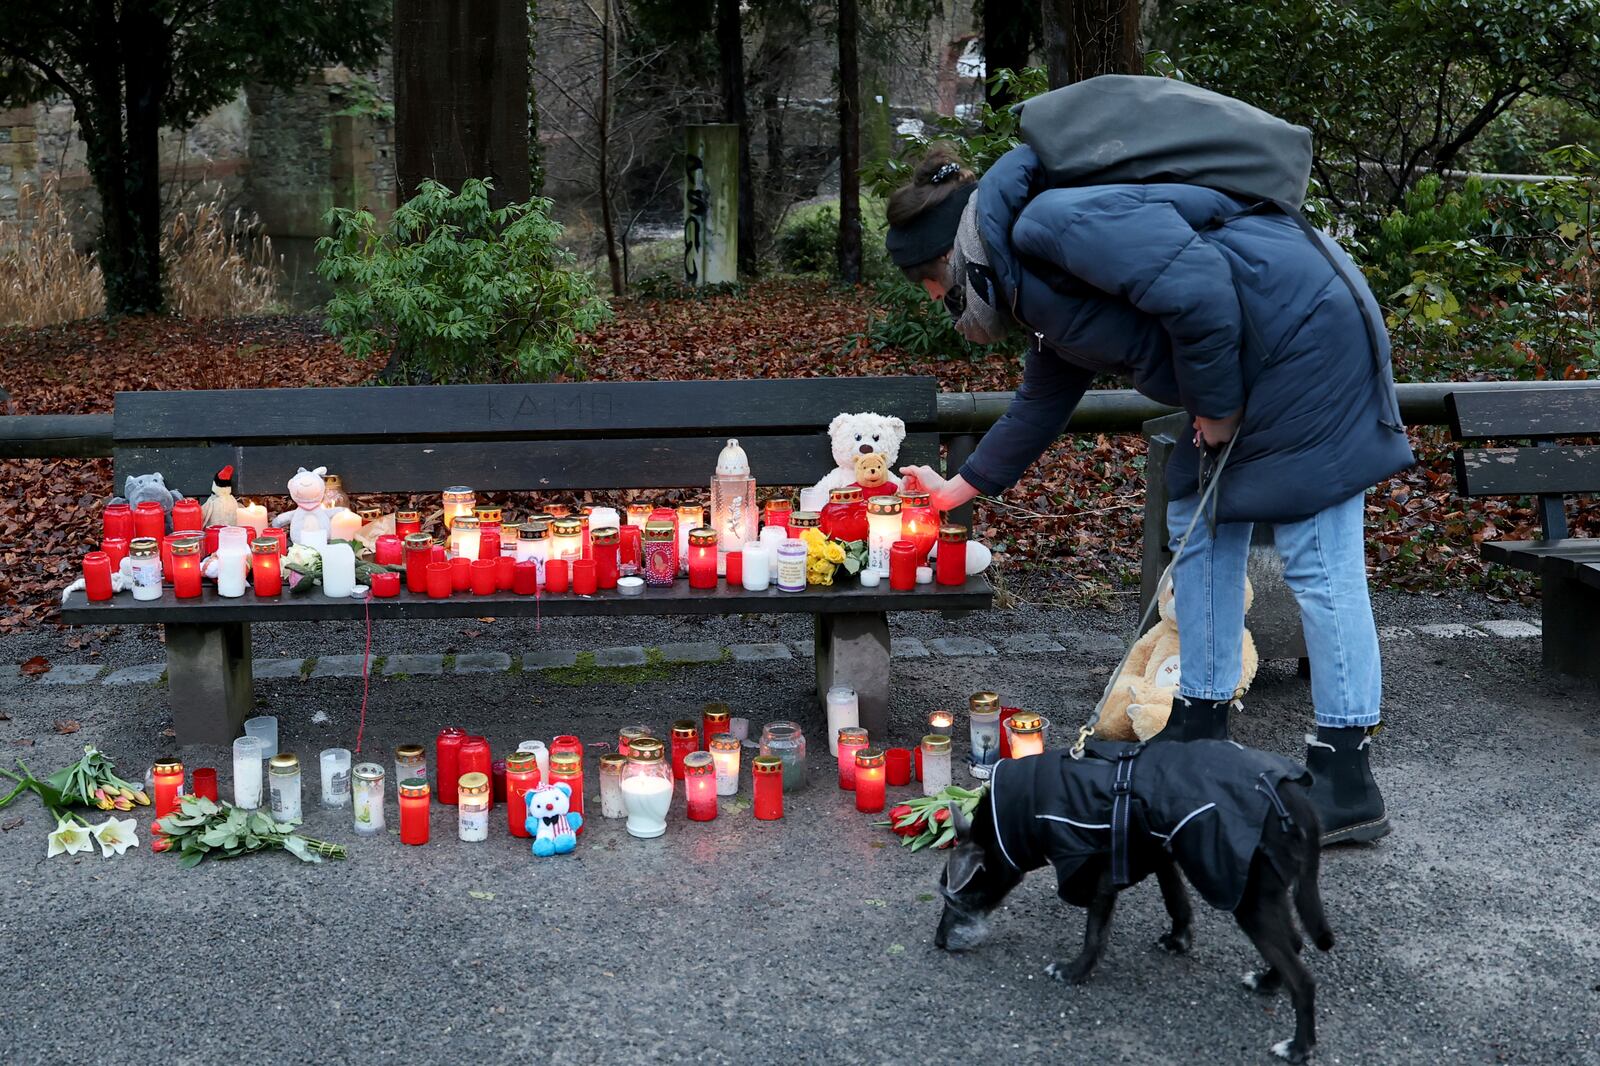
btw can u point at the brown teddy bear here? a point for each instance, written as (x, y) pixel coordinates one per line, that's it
(1141, 699)
(872, 474)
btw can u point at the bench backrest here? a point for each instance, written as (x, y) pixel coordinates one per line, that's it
(537, 438)
(1548, 469)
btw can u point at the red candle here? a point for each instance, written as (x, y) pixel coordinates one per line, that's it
(212, 535)
(778, 512)
(952, 561)
(116, 549)
(385, 586)
(482, 572)
(897, 766)
(474, 758)
(388, 550)
(555, 575)
(97, 576)
(606, 545)
(205, 783)
(149, 520)
(447, 759)
(279, 535)
(919, 522)
(702, 558)
(584, 579)
(869, 781)
(902, 566)
(766, 782)
(630, 549)
(714, 719)
(497, 781)
(522, 777)
(186, 515)
(439, 584)
(166, 556)
(407, 523)
(684, 741)
(525, 578)
(845, 516)
(700, 786)
(414, 811)
(266, 567)
(461, 580)
(116, 522)
(419, 553)
(566, 743)
(851, 740)
(186, 568)
(733, 568)
(167, 777)
(438, 554)
(505, 573)
(568, 766)
(489, 544)
(1005, 734)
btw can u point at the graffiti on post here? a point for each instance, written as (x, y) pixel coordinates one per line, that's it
(697, 201)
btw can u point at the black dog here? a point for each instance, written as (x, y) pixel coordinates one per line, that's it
(1237, 822)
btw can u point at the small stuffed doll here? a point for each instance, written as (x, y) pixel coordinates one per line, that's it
(850, 435)
(149, 488)
(306, 489)
(220, 508)
(551, 822)
(872, 474)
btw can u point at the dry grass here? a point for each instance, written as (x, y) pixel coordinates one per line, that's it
(213, 269)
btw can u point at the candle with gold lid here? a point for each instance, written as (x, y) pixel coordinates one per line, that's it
(725, 751)
(458, 501)
(566, 540)
(984, 724)
(1025, 731)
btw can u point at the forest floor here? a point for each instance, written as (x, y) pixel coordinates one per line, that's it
(1070, 532)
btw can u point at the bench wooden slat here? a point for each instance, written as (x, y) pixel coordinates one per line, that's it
(1533, 414)
(1568, 562)
(209, 608)
(1529, 554)
(1589, 574)
(1527, 471)
(440, 412)
(533, 466)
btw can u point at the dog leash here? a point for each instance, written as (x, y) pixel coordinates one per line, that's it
(1209, 479)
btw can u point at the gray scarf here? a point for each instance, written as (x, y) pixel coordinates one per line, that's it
(982, 317)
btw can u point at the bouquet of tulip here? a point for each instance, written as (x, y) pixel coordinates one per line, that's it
(925, 821)
(91, 777)
(89, 782)
(201, 828)
(824, 556)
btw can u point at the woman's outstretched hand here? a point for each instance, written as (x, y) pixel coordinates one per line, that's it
(946, 495)
(1216, 431)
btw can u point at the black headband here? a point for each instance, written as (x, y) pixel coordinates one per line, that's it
(930, 234)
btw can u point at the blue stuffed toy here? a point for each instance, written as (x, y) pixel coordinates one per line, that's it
(551, 822)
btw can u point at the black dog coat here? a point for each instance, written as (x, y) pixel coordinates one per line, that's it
(1206, 800)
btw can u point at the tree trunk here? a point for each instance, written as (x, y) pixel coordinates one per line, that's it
(1005, 44)
(849, 144)
(608, 222)
(1086, 38)
(730, 56)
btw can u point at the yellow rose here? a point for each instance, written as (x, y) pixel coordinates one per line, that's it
(834, 553)
(813, 538)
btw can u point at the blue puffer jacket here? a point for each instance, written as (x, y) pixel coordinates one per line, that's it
(1202, 307)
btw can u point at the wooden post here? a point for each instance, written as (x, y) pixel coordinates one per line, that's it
(711, 205)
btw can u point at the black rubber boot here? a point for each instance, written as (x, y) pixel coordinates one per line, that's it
(1343, 789)
(1197, 720)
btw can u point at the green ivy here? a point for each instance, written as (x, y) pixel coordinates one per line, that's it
(456, 291)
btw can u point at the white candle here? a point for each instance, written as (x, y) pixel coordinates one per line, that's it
(647, 799)
(883, 529)
(233, 555)
(253, 515)
(335, 777)
(757, 567)
(541, 755)
(247, 753)
(844, 711)
(338, 570)
(344, 525)
(725, 760)
(771, 537)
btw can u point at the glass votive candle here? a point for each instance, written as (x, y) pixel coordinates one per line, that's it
(525, 577)
(388, 550)
(475, 758)
(1025, 730)
(409, 761)
(472, 807)
(984, 726)
(702, 564)
(941, 723)
(849, 740)
(385, 586)
(555, 575)
(247, 754)
(407, 523)
(902, 566)
(740, 728)
(283, 787)
(541, 756)
(685, 738)
(647, 788)
(766, 786)
(335, 766)
(568, 766)
(584, 579)
(166, 786)
(870, 780)
(440, 584)
(460, 574)
(714, 718)
(628, 734)
(264, 726)
(897, 766)
(418, 554)
(481, 573)
(844, 709)
(611, 766)
(414, 811)
(458, 501)
(733, 568)
(205, 783)
(97, 576)
(724, 748)
(447, 760)
(788, 743)
(367, 798)
(700, 786)
(935, 764)
(771, 537)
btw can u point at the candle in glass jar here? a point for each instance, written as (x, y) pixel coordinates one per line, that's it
(205, 783)
(611, 803)
(845, 516)
(388, 550)
(766, 786)
(630, 551)
(253, 515)
(556, 575)
(844, 709)
(483, 576)
(186, 566)
(465, 541)
(116, 522)
(533, 545)
(338, 570)
(606, 546)
(778, 512)
(490, 518)
(522, 777)
(149, 520)
(902, 566)
(660, 555)
(941, 722)
(458, 501)
(725, 757)
(447, 759)
(418, 554)
(166, 778)
(870, 781)
(935, 751)
(248, 752)
(367, 793)
(186, 515)
(541, 755)
(897, 766)
(771, 537)
(116, 548)
(630, 733)
(335, 766)
(233, 559)
(702, 547)
(566, 541)
(984, 724)
(647, 789)
(568, 766)
(700, 786)
(472, 807)
(488, 545)
(440, 580)
(883, 529)
(787, 741)
(407, 523)
(460, 574)
(266, 567)
(733, 567)
(714, 718)
(919, 522)
(283, 786)
(144, 559)
(639, 513)
(951, 566)
(409, 761)
(584, 580)
(474, 757)
(97, 576)
(684, 740)
(689, 517)
(848, 741)
(414, 811)
(1025, 730)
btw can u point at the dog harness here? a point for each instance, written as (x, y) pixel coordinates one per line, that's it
(1206, 801)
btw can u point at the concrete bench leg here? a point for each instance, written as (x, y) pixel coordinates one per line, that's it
(1571, 617)
(208, 681)
(853, 650)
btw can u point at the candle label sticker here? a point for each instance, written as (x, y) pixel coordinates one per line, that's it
(474, 823)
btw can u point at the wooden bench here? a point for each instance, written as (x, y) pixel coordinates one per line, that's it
(547, 440)
(1569, 568)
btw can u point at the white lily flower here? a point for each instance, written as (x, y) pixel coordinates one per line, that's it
(70, 836)
(116, 835)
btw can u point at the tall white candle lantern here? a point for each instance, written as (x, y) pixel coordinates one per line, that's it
(733, 502)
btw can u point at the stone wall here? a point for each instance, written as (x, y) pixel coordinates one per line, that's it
(19, 157)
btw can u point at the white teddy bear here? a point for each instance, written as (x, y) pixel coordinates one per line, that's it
(862, 433)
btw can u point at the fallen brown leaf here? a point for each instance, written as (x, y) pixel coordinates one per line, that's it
(36, 666)
(66, 726)
(10, 823)
(23, 742)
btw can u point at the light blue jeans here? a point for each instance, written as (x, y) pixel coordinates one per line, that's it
(1324, 564)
